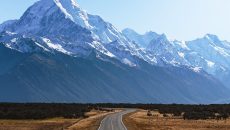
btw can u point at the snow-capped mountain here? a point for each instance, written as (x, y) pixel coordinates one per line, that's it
(57, 52)
(39, 23)
(208, 53)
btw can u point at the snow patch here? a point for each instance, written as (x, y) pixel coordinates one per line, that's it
(41, 46)
(99, 47)
(210, 63)
(63, 9)
(181, 54)
(8, 46)
(55, 46)
(128, 62)
(183, 45)
(10, 33)
(221, 51)
(197, 69)
(13, 40)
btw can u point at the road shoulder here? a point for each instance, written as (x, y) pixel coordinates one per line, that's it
(91, 123)
(129, 122)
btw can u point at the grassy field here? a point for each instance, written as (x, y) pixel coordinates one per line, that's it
(92, 122)
(88, 116)
(47, 124)
(140, 121)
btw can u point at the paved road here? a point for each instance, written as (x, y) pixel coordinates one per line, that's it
(114, 121)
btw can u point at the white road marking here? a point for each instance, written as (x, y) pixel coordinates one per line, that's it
(122, 122)
(102, 122)
(117, 117)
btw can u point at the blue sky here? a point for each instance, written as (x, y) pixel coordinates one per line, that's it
(180, 19)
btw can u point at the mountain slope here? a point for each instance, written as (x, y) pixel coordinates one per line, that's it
(56, 52)
(45, 77)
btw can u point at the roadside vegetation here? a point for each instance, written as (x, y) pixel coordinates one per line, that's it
(43, 116)
(34, 116)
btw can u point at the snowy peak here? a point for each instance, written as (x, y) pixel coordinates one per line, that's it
(72, 10)
(151, 34)
(159, 41)
(141, 39)
(46, 8)
(71, 30)
(162, 37)
(47, 14)
(130, 33)
(208, 40)
(208, 53)
(69, 3)
(212, 37)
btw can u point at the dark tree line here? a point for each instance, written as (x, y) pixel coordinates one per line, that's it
(43, 110)
(189, 112)
(194, 112)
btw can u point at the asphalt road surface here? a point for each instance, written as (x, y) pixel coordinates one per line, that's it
(114, 121)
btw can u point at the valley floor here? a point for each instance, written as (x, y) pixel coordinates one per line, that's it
(90, 123)
(48, 124)
(134, 121)
(140, 121)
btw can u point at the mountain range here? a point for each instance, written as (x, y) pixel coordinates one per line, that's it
(57, 52)
(208, 53)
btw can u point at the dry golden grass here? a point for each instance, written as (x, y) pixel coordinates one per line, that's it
(91, 123)
(48, 124)
(140, 121)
